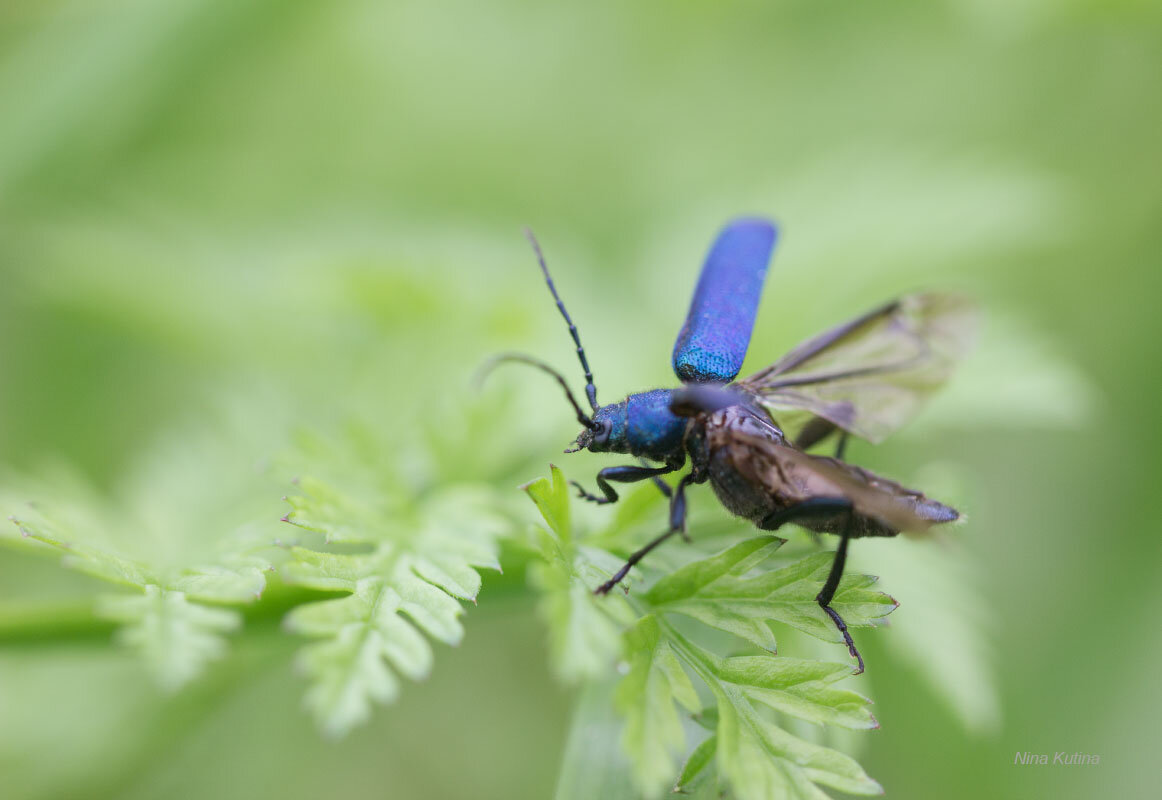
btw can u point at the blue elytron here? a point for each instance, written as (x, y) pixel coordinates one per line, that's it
(864, 377)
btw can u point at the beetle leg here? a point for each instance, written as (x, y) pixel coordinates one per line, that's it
(677, 524)
(663, 487)
(841, 445)
(627, 474)
(828, 592)
(825, 507)
(816, 430)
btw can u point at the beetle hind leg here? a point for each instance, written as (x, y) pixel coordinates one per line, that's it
(827, 593)
(825, 507)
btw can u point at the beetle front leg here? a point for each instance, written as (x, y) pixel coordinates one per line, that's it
(663, 487)
(677, 525)
(627, 474)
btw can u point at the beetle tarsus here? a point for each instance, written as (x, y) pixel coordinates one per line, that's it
(632, 561)
(592, 498)
(842, 626)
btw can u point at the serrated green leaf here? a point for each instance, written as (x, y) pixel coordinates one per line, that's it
(584, 631)
(348, 671)
(761, 760)
(329, 572)
(552, 499)
(39, 526)
(699, 767)
(722, 596)
(584, 641)
(755, 631)
(222, 584)
(798, 688)
(422, 559)
(593, 765)
(653, 732)
(696, 577)
(173, 634)
(757, 757)
(175, 638)
(749, 753)
(778, 673)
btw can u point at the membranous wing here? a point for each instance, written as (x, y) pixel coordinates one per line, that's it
(870, 375)
(796, 476)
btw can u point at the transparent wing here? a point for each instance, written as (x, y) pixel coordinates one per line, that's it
(870, 375)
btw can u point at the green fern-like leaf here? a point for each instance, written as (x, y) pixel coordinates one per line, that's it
(584, 632)
(421, 559)
(753, 753)
(172, 623)
(749, 752)
(653, 730)
(174, 637)
(719, 593)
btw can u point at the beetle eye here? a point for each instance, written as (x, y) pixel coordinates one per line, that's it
(601, 435)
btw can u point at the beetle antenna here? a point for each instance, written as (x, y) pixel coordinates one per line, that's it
(590, 389)
(521, 358)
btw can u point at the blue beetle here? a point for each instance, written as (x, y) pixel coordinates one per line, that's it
(864, 377)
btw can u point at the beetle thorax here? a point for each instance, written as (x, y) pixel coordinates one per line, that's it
(640, 425)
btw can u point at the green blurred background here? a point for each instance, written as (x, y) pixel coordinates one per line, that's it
(222, 221)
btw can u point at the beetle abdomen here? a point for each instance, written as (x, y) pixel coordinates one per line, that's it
(757, 475)
(716, 334)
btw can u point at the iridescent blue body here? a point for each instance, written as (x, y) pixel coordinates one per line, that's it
(714, 339)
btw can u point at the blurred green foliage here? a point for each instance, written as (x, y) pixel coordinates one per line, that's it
(225, 226)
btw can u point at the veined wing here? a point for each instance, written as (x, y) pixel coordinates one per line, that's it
(805, 476)
(870, 375)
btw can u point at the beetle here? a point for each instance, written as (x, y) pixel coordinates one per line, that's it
(865, 377)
